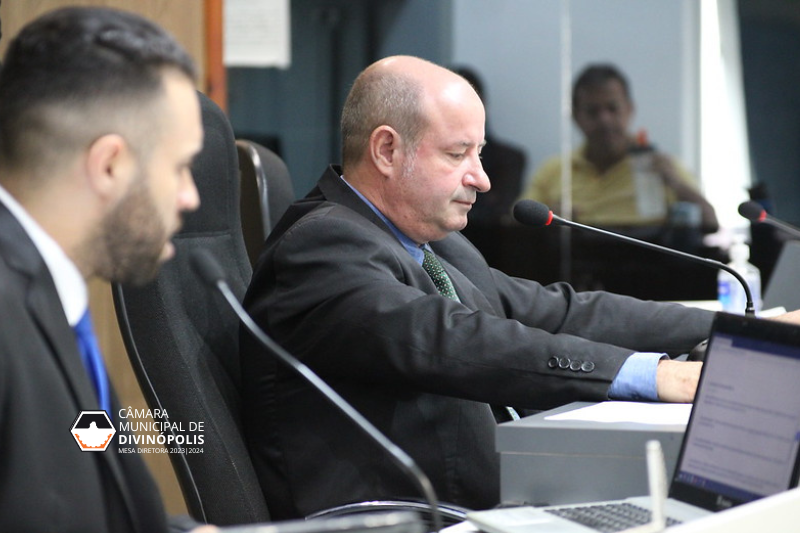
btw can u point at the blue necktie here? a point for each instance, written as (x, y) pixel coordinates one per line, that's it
(93, 360)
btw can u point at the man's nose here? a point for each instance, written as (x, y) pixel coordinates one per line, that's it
(477, 177)
(189, 197)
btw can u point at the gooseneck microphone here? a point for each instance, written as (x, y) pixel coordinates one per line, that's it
(206, 266)
(537, 215)
(754, 212)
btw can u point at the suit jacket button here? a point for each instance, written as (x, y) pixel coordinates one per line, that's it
(552, 362)
(563, 363)
(575, 366)
(587, 366)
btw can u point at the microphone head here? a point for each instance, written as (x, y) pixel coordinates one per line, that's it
(532, 213)
(206, 266)
(752, 211)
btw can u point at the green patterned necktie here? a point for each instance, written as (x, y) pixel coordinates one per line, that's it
(439, 276)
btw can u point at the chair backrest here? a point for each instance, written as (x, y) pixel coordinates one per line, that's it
(182, 340)
(267, 192)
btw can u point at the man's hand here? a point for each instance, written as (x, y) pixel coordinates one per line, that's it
(684, 192)
(676, 381)
(792, 317)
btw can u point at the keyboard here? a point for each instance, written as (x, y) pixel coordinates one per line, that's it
(609, 517)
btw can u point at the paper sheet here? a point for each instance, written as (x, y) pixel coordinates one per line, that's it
(643, 413)
(257, 33)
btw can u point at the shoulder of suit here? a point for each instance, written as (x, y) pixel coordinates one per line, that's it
(329, 218)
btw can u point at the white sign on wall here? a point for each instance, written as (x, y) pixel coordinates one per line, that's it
(257, 33)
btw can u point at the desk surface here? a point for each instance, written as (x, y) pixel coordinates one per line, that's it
(540, 433)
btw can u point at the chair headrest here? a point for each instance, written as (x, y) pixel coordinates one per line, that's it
(216, 174)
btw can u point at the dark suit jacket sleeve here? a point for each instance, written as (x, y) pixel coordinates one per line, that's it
(338, 293)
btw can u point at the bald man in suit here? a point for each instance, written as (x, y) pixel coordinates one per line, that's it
(347, 283)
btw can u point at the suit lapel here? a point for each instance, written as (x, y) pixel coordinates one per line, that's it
(467, 292)
(335, 190)
(42, 305)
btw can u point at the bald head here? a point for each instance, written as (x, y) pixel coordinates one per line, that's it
(412, 134)
(397, 91)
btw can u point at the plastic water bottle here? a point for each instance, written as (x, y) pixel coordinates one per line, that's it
(651, 201)
(730, 292)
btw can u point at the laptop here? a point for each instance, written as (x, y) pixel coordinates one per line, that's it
(741, 442)
(783, 289)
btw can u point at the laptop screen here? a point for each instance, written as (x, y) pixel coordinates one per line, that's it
(784, 283)
(741, 443)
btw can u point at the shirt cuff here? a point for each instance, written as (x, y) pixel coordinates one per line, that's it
(636, 380)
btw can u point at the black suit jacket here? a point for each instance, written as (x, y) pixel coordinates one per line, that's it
(47, 483)
(335, 287)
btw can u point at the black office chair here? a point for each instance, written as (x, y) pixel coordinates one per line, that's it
(183, 342)
(267, 192)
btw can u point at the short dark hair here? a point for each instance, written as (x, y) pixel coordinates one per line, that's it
(89, 61)
(596, 75)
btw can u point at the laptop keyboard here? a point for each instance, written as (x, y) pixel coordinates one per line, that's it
(608, 518)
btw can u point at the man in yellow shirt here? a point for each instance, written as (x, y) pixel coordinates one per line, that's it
(617, 181)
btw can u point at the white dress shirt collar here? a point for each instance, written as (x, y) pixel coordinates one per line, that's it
(69, 283)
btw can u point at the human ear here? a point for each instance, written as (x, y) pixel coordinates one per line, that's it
(108, 165)
(384, 146)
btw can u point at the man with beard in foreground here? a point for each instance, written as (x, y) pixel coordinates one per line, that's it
(99, 124)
